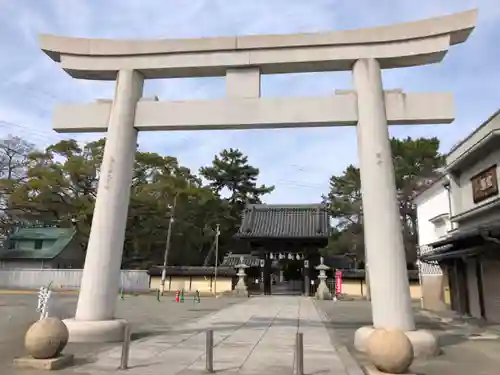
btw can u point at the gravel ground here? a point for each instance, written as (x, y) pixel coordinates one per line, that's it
(464, 352)
(146, 315)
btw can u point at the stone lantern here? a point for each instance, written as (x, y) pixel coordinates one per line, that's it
(322, 292)
(241, 289)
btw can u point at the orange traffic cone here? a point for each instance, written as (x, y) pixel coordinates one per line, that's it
(177, 295)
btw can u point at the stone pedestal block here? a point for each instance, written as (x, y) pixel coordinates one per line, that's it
(57, 363)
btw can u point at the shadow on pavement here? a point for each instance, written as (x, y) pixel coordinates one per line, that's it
(459, 355)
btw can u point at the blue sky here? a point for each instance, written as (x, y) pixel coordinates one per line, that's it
(298, 161)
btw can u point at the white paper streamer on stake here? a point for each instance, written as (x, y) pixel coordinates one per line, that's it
(43, 302)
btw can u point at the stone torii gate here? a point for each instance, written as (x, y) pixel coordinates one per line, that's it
(242, 60)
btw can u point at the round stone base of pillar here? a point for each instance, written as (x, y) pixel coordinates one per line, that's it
(424, 343)
(95, 331)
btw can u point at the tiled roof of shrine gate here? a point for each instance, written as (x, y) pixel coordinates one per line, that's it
(285, 221)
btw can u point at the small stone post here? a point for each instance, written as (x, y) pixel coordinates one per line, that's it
(323, 293)
(241, 289)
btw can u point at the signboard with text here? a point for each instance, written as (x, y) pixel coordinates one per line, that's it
(484, 184)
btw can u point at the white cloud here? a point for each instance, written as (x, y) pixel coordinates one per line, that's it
(299, 161)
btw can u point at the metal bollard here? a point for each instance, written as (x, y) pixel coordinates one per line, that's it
(299, 353)
(125, 348)
(210, 351)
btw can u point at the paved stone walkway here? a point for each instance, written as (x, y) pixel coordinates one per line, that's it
(253, 337)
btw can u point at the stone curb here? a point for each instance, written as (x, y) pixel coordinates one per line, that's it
(351, 366)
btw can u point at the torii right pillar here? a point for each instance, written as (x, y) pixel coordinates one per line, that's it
(389, 286)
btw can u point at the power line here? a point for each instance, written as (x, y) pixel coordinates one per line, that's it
(40, 135)
(31, 131)
(51, 134)
(300, 184)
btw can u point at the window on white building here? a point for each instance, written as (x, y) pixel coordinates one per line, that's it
(441, 225)
(440, 229)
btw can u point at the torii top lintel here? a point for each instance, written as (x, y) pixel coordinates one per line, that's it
(400, 45)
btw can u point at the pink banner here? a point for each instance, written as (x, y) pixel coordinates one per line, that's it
(338, 282)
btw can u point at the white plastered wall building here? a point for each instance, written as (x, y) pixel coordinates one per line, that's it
(433, 218)
(463, 233)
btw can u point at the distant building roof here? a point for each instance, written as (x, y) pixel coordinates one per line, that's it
(232, 260)
(61, 237)
(309, 221)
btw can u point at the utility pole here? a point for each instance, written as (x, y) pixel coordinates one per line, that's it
(217, 233)
(167, 246)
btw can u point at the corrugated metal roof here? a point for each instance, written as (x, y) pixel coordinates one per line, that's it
(285, 221)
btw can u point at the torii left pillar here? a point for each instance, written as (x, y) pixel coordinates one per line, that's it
(94, 319)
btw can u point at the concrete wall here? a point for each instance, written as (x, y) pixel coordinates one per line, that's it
(357, 288)
(192, 283)
(65, 279)
(430, 204)
(434, 290)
